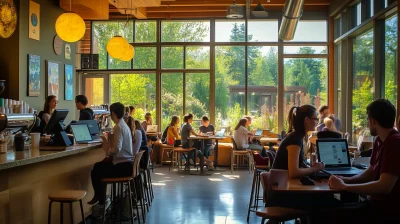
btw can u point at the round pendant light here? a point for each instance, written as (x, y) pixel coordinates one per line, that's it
(117, 47)
(70, 27)
(128, 54)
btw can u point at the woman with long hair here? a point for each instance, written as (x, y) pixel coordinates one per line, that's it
(329, 125)
(136, 135)
(241, 136)
(49, 106)
(173, 137)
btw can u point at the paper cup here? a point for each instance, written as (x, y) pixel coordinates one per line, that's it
(35, 140)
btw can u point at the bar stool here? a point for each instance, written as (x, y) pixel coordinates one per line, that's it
(178, 154)
(128, 181)
(255, 187)
(66, 196)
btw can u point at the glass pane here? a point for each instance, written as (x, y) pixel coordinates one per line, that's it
(229, 85)
(172, 57)
(94, 91)
(145, 58)
(103, 32)
(197, 96)
(230, 31)
(305, 50)
(262, 87)
(338, 73)
(391, 60)
(171, 97)
(138, 90)
(305, 83)
(114, 63)
(363, 80)
(185, 31)
(357, 14)
(316, 31)
(145, 32)
(197, 57)
(263, 30)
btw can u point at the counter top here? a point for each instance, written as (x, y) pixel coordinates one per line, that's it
(14, 158)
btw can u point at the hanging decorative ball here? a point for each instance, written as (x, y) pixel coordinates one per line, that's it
(70, 27)
(117, 47)
(128, 54)
(8, 18)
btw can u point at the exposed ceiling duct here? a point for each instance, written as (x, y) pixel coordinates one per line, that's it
(234, 11)
(291, 15)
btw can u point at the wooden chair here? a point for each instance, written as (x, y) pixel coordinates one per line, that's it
(130, 181)
(279, 214)
(66, 196)
(178, 155)
(237, 153)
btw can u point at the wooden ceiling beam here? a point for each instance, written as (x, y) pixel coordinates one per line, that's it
(239, 2)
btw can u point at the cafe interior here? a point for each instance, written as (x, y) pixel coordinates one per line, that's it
(204, 63)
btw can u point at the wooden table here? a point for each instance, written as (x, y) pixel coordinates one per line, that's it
(272, 140)
(216, 138)
(294, 185)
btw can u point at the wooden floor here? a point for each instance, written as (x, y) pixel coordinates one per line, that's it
(180, 198)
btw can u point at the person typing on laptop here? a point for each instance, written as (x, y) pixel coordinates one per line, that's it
(380, 181)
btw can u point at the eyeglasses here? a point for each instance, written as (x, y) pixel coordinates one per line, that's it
(314, 118)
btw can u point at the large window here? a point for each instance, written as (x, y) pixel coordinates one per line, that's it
(391, 55)
(363, 79)
(305, 82)
(138, 90)
(262, 86)
(185, 31)
(171, 97)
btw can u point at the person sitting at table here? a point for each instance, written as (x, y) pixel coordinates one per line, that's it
(290, 156)
(143, 146)
(148, 121)
(119, 161)
(186, 131)
(137, 135)
(85, 113)
(329, 131)
(205, 128)
(173, 137)
(241, 136)
(381, 180)
(324, 113)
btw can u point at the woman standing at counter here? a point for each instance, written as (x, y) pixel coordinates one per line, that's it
(49, 105)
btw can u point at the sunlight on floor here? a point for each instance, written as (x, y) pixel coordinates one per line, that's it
(215, 179)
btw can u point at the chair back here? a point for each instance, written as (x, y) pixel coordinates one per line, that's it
(329, 134)
(265, 183)
(136, 163)
(360, 139)
(278, 178)
(271, 156)
(234, 144)
(346, 136)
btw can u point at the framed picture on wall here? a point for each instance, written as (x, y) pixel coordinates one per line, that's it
(69, 82)
(33, 75)
(53, 76)
(34, 20)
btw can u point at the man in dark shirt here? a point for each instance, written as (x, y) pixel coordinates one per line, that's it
(85, 113)
(381, 180)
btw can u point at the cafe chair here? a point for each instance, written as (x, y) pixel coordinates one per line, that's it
(178, 151)
(66, 196)
(260, 165)
(236, 153)
(131, 181)
(147, 184)
(279, 214)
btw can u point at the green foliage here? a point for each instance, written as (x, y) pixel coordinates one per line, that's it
(361, 98)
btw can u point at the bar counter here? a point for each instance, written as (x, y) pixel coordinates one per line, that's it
(27, 177)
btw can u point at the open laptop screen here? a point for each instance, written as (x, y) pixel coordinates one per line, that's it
(81, 132)
(334, 153)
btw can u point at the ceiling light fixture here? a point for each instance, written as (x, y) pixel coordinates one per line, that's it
(234, 11)
(259, 11)
(70, 27)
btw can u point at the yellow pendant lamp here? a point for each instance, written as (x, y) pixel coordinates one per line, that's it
(70, 27)
(117, 47)
(128, 54)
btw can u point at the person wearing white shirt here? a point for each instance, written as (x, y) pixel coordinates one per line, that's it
(118, 163)
(242, 135)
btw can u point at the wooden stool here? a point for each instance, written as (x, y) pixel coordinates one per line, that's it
(66, 196)
(255, 189)
(281, 214)
(179, 151)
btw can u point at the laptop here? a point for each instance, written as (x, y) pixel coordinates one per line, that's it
(151, 128)
(258, 133)
(334, 153)
(82, 134)
(93, 128)
(220, 133)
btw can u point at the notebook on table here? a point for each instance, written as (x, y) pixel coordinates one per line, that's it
(334, 153)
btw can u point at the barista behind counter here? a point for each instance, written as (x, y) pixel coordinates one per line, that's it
(85, 113)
